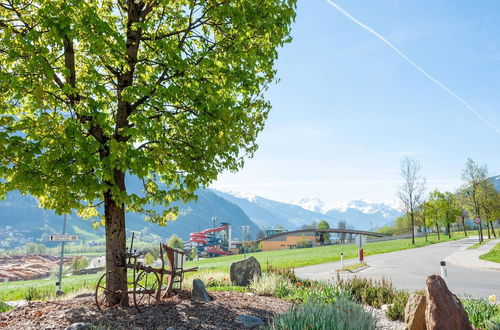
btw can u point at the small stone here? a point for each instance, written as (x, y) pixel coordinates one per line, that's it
(385, 307)
(242, 272)
(249, 321)
(79, 326)
(444, 310)
(59, 293)
(170, 328)
(199, 291)
(415, 312)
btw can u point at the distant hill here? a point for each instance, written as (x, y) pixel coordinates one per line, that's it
(22, 221)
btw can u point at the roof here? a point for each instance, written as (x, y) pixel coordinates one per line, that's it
(329, 230)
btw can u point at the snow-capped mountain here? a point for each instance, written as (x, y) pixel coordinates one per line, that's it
(266, 213)
(317, 205)
(312, 204)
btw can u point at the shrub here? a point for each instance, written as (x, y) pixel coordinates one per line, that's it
(318, 292)
(341, 315)
(373, 293)
(480, 311)
(36, 294)
(267, 284)
(285, 272)
(396, 311)
(4, 307)
(211, 279)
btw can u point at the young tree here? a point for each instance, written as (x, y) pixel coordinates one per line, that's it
(433, 210)
(491, 205)
(451, 210)
(175, 242)
(324, 237)
(168, 92)
(476, 178)
(410, 192)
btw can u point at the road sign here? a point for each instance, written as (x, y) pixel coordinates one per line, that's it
(63, 238)
(477, 220)
(360, 240)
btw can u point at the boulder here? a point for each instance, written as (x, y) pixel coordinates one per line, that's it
(199, 291)
(415, 312)
(249, 321)
(79, 326)
(444, 310)
(242, 272)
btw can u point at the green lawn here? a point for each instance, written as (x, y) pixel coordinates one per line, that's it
(292, 258)
(493, 255)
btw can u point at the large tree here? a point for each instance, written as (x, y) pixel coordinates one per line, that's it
(167, 92)
(411, 190)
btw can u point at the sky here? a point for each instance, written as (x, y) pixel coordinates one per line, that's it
(348, 107)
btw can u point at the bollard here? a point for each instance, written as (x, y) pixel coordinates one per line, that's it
(361, 255)
(341, 261)
(444, 272)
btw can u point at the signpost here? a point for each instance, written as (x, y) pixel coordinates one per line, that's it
(477, 221)
(62, 238)
(360, 242)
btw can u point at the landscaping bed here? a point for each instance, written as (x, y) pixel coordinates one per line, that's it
(179, 312)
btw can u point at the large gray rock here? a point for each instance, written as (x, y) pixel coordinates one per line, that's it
(444, 310)
(79, 326)
(199, 291)
(415, 312)
(242, 272)
(249, 321)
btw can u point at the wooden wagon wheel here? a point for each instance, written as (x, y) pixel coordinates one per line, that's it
(101, 292)
(146, 288)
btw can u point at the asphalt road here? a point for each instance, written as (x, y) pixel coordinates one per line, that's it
(408, 269)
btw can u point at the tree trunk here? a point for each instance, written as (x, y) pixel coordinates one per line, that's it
(437, 229)
(116, 279)
(463, 225)
(449, 230)
(412, 228)
(425, 229)
(488, 228)
(492, 229)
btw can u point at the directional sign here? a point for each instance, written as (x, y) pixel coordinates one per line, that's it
(360, 240)
(63, 238)
(477, 220)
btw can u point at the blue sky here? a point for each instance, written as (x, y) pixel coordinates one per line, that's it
(347, 107)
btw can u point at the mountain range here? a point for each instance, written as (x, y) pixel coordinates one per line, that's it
(22, 221)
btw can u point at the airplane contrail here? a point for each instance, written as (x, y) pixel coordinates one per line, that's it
(413, 64)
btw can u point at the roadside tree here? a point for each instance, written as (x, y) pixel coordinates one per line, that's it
(166, 92)
(411, 190)
(476, 183)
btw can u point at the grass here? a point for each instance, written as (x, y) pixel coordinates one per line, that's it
(475, 246)
(20, 290)
(493, 255)
(294, 258)
(290, 258)
(353, 266)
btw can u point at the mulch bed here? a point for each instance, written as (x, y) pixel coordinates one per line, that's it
(179, 312)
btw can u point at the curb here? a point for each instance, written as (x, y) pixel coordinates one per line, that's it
(453, 261)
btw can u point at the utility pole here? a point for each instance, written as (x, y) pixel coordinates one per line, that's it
(214, 220)
(245, 234)
(59, 291)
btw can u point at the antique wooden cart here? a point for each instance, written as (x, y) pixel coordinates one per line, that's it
(147, 284)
